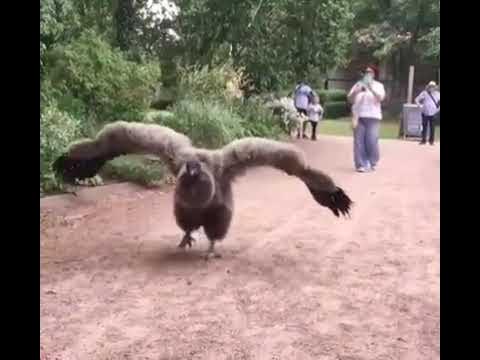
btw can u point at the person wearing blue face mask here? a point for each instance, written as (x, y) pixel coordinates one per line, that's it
(366, 97)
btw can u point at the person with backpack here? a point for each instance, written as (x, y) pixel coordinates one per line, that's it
(302, 98)
(429, 101)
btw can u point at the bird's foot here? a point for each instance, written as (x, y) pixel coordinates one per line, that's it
(212, 255)
(187, 240)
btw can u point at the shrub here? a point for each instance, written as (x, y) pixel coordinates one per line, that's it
(337, 95)
(334, 95)
(219, 83)
(110, 86)
(57, 130)
(164, 97)
(157, 116)
(336, 109)
(135, 169)
(257, 120)
(284, 93)
(208, 124)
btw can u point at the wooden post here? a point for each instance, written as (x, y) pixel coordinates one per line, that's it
(410, 85)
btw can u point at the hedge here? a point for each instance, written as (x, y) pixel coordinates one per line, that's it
(336, 109)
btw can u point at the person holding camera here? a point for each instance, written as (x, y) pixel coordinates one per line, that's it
(366, 97)
(429, 101)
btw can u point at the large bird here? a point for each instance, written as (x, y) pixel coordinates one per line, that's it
(203, 191)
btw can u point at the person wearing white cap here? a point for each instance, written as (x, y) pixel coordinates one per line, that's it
(429, 101)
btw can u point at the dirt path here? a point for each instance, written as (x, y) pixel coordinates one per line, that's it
(294, 282)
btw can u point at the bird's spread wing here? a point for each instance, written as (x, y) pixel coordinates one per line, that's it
(242, 154)
(84, 158)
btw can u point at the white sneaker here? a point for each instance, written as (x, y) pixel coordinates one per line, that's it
(362, 169)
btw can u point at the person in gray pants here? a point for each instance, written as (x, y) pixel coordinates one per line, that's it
(366, 97)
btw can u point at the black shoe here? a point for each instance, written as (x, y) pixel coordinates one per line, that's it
(422, 143)
(314, 138)
(432, 143)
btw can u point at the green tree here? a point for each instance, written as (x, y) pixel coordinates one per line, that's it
(275, 41)
(389, 26)
(431, 45)
(96, 15)
(62, 21)
(88, 70)
(58, 22)
(124, 15)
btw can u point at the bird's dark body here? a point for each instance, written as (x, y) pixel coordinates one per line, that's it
(215, 218)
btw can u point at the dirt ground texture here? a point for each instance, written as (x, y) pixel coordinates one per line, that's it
(294, 281)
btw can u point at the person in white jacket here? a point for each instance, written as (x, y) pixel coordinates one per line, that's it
(429, 101)
(366, 97)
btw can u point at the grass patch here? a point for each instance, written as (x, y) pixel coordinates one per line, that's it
(343, 127)
(136, 169)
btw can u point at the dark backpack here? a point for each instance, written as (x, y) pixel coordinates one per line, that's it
(311, 96)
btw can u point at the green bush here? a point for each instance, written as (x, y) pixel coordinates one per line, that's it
(208, 124)
(337, 95)
(219, 88)
(157, 116)
(210, 108)
(164, 97)
(333, 95)
(325, 96)
(57, 130)
(257, 120)
(284, 93)
(135, 169)
(111, 87)
(336, 109)
(219, 83)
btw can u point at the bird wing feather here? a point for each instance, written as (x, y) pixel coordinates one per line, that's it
(240, 155)
(84, 158)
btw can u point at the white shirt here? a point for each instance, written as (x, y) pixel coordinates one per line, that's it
(426, 103)
(314, 112)
(366, 104)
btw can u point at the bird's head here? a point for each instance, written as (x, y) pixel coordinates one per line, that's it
(195, 184)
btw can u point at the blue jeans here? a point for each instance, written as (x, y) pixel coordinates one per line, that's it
(365, 143)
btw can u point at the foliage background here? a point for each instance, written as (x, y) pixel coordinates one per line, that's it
(200, 61)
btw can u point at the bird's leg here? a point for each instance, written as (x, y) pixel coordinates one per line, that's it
(187, 240)
(211, 253)
(69, 189)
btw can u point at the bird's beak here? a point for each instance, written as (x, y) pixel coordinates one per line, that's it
(192, 171)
